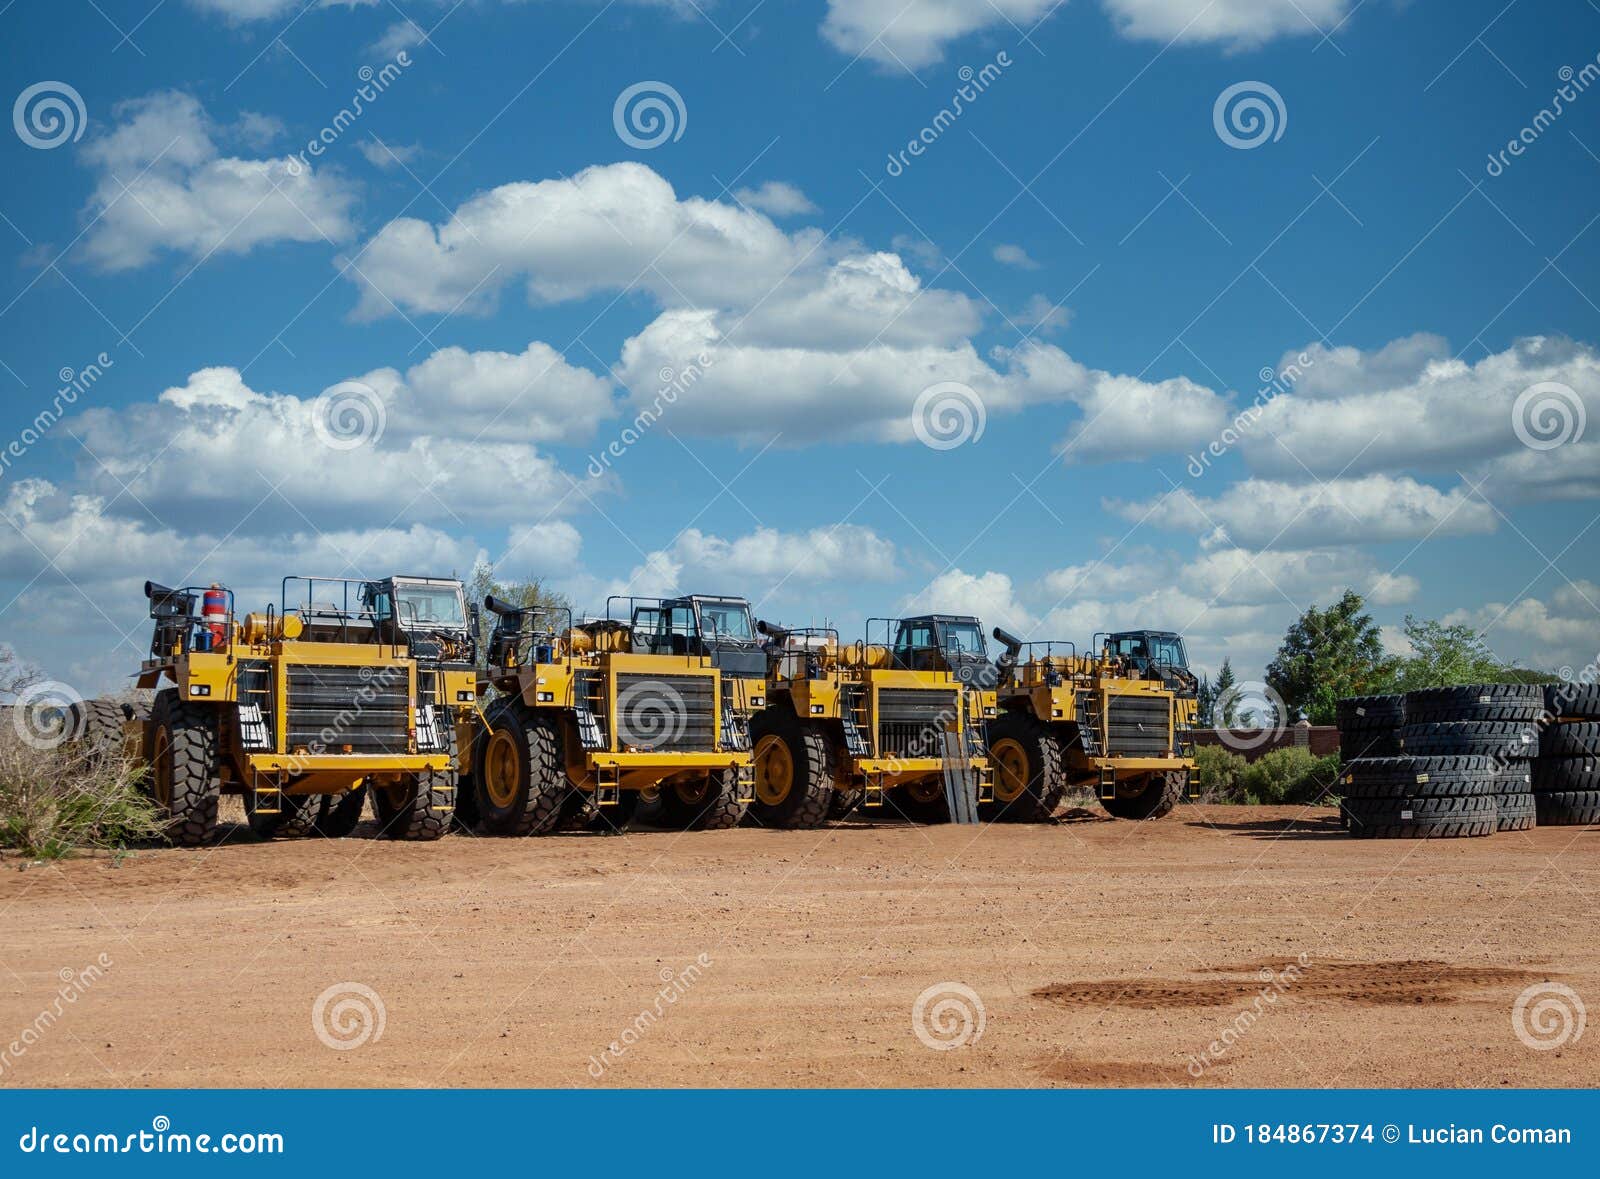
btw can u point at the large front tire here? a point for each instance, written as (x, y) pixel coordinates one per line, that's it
(521, 783)
(185, 776)
(1028, 784)
(419, 806)
(1150, 796)
(793, 769)
(708, 803)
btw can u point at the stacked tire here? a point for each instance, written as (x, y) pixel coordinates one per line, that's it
(1566, 777)
(1444, 797)
(1498, 721)
(1369, 726)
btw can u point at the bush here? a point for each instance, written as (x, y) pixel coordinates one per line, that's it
(54, 801)
(1289, 777)
(1217, 773)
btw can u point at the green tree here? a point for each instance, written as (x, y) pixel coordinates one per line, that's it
(1443, 655)
(1226, 682)
(1327, 655)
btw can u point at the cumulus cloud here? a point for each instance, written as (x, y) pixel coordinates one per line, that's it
(1011, 255)
(388, 156)
(989, 595)
(1236, 24)
(1257, 513)
(777, 197)
(166, 186)
(915, 34)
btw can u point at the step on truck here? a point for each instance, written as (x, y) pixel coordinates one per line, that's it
(889, 728)
(588, 721)
(307, 707)
(1113, 721)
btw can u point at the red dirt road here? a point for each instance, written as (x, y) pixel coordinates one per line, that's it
(1099, 952)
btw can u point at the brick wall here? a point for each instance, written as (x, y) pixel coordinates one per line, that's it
(1319, 740)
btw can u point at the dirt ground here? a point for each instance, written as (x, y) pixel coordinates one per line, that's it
(1219, 946)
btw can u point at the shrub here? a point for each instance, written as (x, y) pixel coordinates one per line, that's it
(1217, 774)
(54, 801)
(1289, 777)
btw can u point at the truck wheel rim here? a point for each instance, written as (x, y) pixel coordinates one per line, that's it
(500, 769)
(1011, 770)
(694, 790)
(774, 770)
(927, 790)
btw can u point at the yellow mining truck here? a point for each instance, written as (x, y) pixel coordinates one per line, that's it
(1114, 721)
(891, 727)
(590, 720)
(302, 709)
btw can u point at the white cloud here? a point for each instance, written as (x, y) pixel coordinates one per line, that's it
(1239, 24)
(165, 185)
(915, 33)
(989, 595)
(388, 156)
(1256, 513)
(1011, 255)
(777, 197)
(1561, 631)
(402, 34)
(919, 249)
(1043, 315)
(531, 396)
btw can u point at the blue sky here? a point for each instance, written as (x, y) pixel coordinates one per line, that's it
(487, 273)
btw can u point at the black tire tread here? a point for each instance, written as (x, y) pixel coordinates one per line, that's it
(811, 796)
(1046, 787)
(1568, 808)
(196, 783)
(1154, 802)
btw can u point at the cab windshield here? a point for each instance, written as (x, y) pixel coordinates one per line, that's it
(729, 620)
(964, 638)
(1168, 651)
(433, 606)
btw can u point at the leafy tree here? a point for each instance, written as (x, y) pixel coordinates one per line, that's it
(1327, 655)
(1226, 682)
(1205, 702)
(1443, 655)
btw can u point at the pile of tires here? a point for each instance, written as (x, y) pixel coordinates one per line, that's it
(1566, 776)
(1444, 797)
(1499, 721)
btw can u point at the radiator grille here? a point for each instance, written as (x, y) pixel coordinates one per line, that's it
(1137, 727)
(911, 720)
(666, 713)
(365, 708)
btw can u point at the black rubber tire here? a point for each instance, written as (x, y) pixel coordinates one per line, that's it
(811, 754)
(465, 817)
(1421, 777)
(1464, 697)
(1368, 743)
(1162, 792)
(1444, 829)
(614, 820)
(1555, 774)
(543, 789)
(1568, 808)
(1514, 812)
(844, 801)
(1573, 739)
(1510, 713)
(342, 812)
(900, 803)
(1508, 740)
(193, 746)
(296, 817)
(418, 810)
(97, 729)
(1381, 812)
(1355, 713)
(1572, 701)
(717, 811)
(1046, 784)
